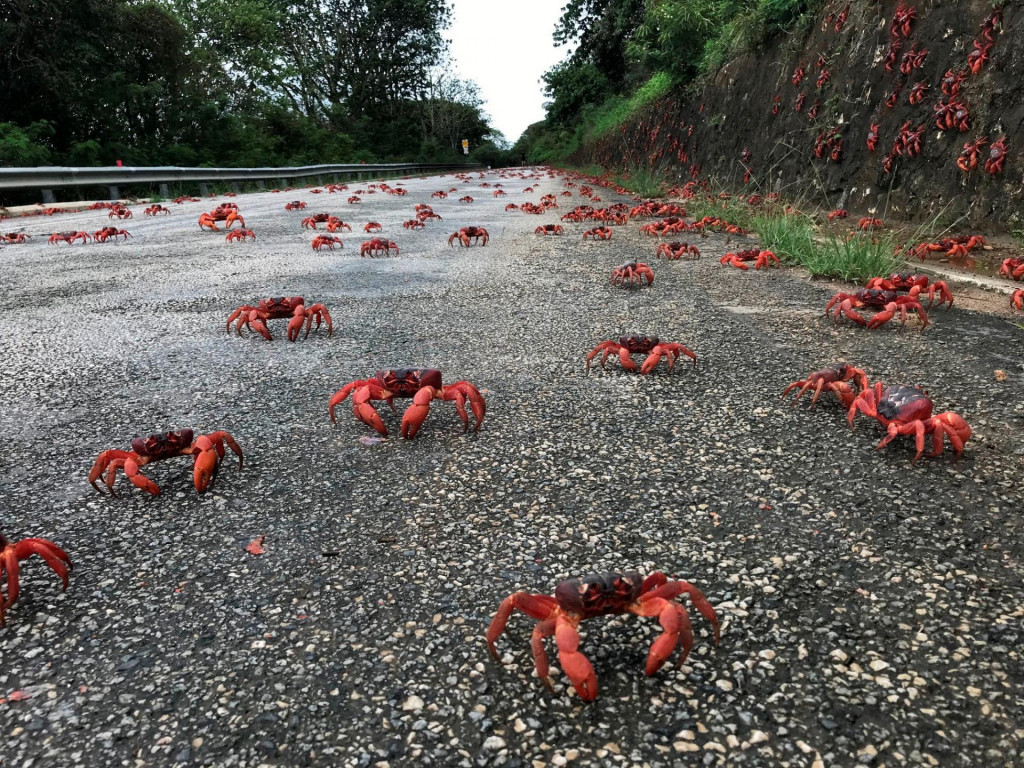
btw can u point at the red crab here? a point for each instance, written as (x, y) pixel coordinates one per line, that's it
(677, 251)
(104, 234)
(951, 115)
(11, 555)
(413, 224)
(954, 247)
(15, 238)
(872, 141)
(310, 222)
(1012, 268)
(912, 59)
(761, 259)
(240, 234)
(632, 272)
(119, 212)
(868, 223)
(334, 224)
(798, 76)
(69, 237)
(598, 233)
(354, 200)
(467, 234)
(511, 207)
(428, 215)
(638, 344)
(888, 302)
(228, 215)
(971, 154)
(423, 385)
(378, 246)
(823, 79)
(499, 193)
(838, 213)
(798, 105)
(908, 143)
(155, 210)
(326, 241)
(996, 157)
(902, 20)
(603, 594)
(549, 229)
(977, 58)
(255, 318)
(1017, 299)
(917, 93)
(835, 379)
(206, 450)
(914, 286)
(952, 81)
(295, 205)
(466, 199)
(373, 226)
(906, 410)
(439, 195)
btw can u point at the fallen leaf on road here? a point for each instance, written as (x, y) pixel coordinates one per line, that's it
(256, 546)
(371, 440)
(18, 695)
(1000, 375)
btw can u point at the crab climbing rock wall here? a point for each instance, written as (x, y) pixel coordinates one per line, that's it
(797, 117)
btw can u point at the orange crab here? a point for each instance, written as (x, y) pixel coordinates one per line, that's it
(761, 259)
(467, 234)
(677, 251)
(255, 318)
(638, 344)
(240, 234)
(598, 233)
(632, 272)
(326, 241)
(835, 379)
(603, 594)
(206, 451)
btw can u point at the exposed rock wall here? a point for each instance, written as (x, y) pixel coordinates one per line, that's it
(703, 134)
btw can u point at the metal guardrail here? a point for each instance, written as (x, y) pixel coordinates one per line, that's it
(55, 177)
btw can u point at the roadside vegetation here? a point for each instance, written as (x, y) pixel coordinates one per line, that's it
(233, 83)
(631, 53)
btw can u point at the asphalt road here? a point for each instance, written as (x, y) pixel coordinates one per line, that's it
(872, 609)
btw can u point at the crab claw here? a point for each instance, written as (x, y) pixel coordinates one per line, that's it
(576, 666)
(416, 413)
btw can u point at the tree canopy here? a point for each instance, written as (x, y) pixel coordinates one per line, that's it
(231, 82)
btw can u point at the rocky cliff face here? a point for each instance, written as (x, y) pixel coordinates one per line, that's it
(799, 115)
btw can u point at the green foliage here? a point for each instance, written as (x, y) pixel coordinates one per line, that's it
(641, 181)
(23, 146)
(617, 110)
(230, 82)
(791, 237)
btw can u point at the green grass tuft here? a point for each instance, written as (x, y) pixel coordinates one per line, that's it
(643, 182)
(857, 258)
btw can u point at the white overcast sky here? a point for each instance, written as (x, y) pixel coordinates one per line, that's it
(505, 47)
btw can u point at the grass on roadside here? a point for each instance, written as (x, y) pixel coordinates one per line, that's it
(643, 182)
(857, 258)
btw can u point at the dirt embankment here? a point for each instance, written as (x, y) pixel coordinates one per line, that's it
(751, 104)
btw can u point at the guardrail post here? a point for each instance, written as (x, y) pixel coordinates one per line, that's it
(165, 192)
(112, 192)
(48, 198)
(260, 185)
(235, 187)
(282, 183)
(204, 189)
(319, 181)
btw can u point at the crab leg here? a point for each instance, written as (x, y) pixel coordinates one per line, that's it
(540, 657)
(576, 666)
(416, 413)
(540, 607)
(675, 624)
(131, 471)
(626, 360)
(609, 348)
(672, 589)
(461, 391)
(102, 462)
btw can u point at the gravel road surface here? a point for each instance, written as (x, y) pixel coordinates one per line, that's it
(872, 609)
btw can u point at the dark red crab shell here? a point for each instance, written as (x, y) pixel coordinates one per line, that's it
(900, 402)
(638, 343)
(163, 444)
(406, 382)
(599, 594)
